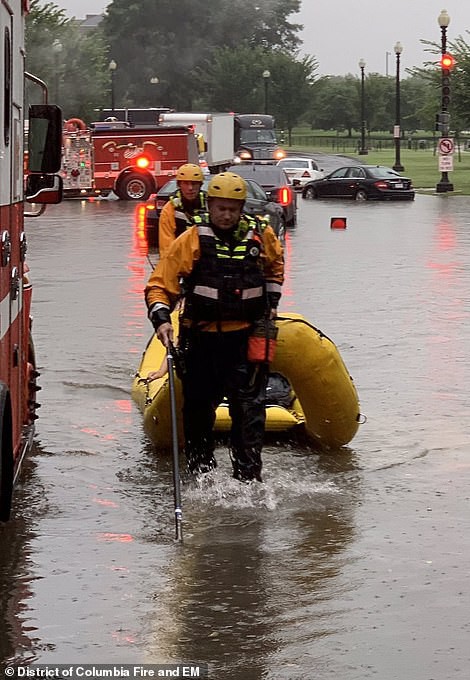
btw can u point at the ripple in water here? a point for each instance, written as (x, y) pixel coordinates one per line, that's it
(285, 477)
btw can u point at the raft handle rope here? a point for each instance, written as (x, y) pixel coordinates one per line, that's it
(146, 382)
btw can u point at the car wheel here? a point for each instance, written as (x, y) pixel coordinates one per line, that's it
(134, 187)
(361, 195)
(293, 222)
(309, 193)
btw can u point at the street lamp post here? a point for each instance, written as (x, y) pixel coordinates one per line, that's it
(112, 66)
(154, 80)
(266, 77)
(444, 20)
(57, 49)
(397, 132)
(363, 151)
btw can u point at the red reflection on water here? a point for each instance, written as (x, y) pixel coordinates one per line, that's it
(446, 298)
(95, 433)
(122, 636)
(119, 538)
(105, 502)
(123, 405)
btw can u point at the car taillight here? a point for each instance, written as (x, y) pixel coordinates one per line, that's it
(381, 185)
(284, 196)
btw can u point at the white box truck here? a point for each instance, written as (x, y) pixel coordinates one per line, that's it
(217, 129)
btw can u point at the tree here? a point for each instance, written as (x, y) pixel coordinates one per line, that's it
(292, 88)
(233, 80)
(176, 41)
(76, 73)
(337, 104)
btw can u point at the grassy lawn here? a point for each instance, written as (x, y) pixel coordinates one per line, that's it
(421, 165)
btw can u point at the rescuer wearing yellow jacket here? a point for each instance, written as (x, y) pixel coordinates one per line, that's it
(231, 267)
(187, 201)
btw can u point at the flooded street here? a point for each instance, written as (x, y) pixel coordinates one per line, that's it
(350, 566)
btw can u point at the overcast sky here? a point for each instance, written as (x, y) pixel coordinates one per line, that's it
(340, 32)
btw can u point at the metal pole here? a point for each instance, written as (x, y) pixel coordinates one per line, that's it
(266, 95)
(363, 151)
(112, 91)
(444, 184)
(397, 132)
(174, 435)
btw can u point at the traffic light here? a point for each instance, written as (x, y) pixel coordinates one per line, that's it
(447, 63)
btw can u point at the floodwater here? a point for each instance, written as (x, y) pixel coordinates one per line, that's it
(352, 565)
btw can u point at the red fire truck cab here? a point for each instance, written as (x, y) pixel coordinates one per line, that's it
(20, 199)
(134, 162)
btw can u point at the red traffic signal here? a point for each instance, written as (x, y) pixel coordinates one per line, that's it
(447, 61)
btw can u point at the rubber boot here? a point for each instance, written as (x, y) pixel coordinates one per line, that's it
(200, 457)
(246, 465)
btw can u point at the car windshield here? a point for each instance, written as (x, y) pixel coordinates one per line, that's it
(287, 163)
(257, 136)
(263, 174)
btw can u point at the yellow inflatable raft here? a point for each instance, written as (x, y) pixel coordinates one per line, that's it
(324, 404)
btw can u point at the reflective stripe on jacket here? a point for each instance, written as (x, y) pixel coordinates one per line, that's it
(163, 287)
(174, 220)
(227, 282)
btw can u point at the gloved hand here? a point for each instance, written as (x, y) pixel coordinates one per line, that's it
(165, 334)
(158, 316)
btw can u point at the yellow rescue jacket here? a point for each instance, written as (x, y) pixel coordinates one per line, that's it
(163, 288)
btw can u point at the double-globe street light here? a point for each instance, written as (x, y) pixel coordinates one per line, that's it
(396, 131)
(363, 151)
(444, 20)
(112, 66)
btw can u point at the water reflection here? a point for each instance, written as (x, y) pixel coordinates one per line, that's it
(232, 598)
(288, 577)
(20, 639)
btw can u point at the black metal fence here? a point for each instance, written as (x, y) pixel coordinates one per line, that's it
(345, 144)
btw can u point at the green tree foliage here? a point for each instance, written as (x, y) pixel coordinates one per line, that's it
(175, 41)
(292, 87)
(232, 82)
(337, 104)
(73, 64)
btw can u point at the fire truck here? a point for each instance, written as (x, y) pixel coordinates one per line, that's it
(37, 186)
(133, 162)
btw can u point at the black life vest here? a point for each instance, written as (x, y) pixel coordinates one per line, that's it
(227, 282)
(183, 219)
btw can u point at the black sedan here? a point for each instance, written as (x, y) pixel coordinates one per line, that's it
(276, 184)
(257, 203)
(361, 183)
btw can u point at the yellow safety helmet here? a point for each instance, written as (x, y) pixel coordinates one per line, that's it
(227, 185)
(189, 172)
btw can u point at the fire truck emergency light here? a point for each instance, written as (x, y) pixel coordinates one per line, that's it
(142, 162)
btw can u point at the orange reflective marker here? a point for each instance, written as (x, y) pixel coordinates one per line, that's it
(338, 223)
